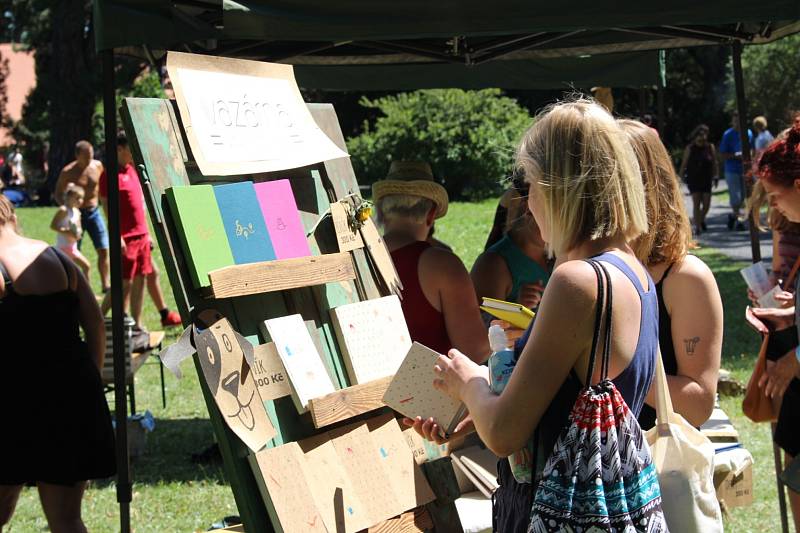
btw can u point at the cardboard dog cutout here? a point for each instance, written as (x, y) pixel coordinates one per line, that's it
(225, 357)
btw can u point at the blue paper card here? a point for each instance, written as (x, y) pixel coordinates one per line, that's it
(244, 223)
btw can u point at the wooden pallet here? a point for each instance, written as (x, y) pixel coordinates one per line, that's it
(164, 159)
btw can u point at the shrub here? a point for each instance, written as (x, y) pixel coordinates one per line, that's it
(468, 137)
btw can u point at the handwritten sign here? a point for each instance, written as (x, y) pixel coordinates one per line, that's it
(347, 238)
(245, 117)
(269, 374)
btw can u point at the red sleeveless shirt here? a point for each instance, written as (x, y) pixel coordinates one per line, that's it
(425, 324)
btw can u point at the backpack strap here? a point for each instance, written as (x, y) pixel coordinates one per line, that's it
(6, 276)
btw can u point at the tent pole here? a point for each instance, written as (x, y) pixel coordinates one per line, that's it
(741, 107)
(117, 310)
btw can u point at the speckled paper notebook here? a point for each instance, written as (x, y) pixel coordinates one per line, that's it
(411, 392)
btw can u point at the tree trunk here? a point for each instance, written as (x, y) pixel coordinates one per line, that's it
(72, 72)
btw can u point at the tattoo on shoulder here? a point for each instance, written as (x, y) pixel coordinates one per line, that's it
(691, 345)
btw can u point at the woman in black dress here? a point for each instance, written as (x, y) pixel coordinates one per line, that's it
(56, 425)
(699, 167)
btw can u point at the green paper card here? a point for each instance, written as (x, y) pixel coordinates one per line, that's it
(200, 230)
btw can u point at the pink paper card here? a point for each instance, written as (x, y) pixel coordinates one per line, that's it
(282, 218)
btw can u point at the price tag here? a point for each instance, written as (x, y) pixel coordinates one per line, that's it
(381, 258)
(348, 239)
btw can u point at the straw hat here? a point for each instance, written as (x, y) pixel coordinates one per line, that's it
(413, 178)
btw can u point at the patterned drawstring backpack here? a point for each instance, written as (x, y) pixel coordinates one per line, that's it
(600, 475)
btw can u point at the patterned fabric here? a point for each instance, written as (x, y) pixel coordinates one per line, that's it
(600, 476)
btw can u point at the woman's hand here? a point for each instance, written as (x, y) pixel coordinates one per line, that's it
(778, 375)
(512, 333)
(776, 318)
(784, 298)
(453, 372)
(530, 294)
(430, 430)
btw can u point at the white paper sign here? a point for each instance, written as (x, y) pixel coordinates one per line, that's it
(245, 117)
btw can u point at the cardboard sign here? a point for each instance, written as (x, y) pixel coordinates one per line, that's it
(269, 374)
(347, 239)
(245, 117)
(381, 258)
(230, 381)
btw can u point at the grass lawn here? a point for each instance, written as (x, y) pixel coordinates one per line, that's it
(173, 494)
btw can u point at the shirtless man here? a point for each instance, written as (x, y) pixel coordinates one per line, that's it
(85, 171)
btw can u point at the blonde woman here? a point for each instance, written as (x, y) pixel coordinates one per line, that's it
(586, 195)
(689, 304)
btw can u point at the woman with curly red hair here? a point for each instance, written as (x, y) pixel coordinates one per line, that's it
(779, 171)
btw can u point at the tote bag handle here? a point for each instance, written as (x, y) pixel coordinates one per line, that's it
(664, 409)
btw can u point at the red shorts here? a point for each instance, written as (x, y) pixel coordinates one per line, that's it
(136, 260)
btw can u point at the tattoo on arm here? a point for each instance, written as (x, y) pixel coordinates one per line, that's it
(691, 345)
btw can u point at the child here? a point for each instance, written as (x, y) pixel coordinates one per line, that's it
(67, 224)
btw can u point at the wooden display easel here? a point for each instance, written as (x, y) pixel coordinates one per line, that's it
(163, 158)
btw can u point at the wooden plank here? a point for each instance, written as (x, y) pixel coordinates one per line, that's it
(272, 276)
(414, 521)
(348, 403)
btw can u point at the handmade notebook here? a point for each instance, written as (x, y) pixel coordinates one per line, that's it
(373, 337)
(244, 223)
(515, 314)
(307, 374)
(411, 392)
(282, 218)
(349, 479)
(479, 465)
(200, 230)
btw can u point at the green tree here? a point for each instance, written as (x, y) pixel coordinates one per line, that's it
(468, 137)
(771, 74)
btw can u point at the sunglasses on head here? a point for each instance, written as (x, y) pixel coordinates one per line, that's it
(519, 184)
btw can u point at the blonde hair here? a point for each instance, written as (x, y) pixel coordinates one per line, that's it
(670, 235)
(71, 188)
(6, 210)
(760, 122)
(578, 157)
(408, 206)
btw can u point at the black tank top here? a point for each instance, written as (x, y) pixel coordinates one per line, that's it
(647, 418)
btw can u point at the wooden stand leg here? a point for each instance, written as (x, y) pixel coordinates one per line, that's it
(443, 510)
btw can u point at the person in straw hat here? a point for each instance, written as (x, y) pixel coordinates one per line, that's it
(439, 301)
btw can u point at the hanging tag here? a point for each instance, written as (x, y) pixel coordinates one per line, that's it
(381, 257)
(346, 236)
(269, 373)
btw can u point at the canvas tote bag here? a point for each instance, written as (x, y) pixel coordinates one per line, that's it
(684, 459)
(600, 476)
